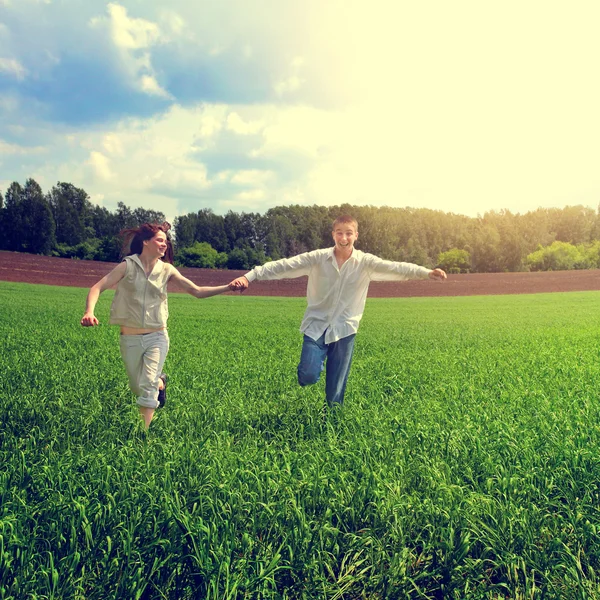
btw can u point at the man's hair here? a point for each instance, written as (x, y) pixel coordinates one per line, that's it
(134, 238)
(344, 220)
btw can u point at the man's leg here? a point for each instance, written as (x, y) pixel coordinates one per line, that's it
(311, 360)
(339, 359)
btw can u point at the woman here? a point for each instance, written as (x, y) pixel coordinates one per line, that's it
(140, 309)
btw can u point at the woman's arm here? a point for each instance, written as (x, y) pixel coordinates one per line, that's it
(201, 292)
(106, 282)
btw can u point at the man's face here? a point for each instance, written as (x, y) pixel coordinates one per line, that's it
(344, 236)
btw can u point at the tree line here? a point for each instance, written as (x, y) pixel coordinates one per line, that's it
(63, 222)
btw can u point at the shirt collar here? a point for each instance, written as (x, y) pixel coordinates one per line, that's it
(136, 258)
(356, 254)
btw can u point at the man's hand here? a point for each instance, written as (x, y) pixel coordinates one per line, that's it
(89, 320)
(438, 274)
(239, 285)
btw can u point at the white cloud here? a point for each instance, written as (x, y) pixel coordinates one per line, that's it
(112, 144)
(250, 195)
(16, 149)
(149, 85)
(443, 113)
(247, 52)
(13, 67)
(100, 166)
(251, 177)
(300, 129)
(236, 124)
(293, 82)
(289, 85)
(131, 33)
(173, 23)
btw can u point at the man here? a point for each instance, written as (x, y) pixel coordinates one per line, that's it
(338, 281)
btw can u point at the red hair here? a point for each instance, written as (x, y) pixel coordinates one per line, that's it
(134, 238)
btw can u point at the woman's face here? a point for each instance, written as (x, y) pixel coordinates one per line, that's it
(156, 246)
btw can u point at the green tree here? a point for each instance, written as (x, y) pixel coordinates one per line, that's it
(455, 261)
(560, 256)
(70, 225)
(201, 255)
(13, 225)
(237, 259)
(485, 247)
(143, 215)
(38, 227)
(592, 255)
(574, 224)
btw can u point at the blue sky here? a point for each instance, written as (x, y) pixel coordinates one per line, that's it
(243, 105)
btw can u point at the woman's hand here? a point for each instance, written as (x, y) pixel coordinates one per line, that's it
(89, 320)
(239, 285)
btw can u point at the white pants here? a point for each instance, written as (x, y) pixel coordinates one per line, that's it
(144, 356)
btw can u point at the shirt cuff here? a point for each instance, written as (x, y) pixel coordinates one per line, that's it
(250, 276)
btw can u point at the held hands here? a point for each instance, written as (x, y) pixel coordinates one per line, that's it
(438, 275)
(239, 285)
(89, 320)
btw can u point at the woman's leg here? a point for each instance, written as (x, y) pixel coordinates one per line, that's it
(156, 347)
(144, 356)
(132, 352)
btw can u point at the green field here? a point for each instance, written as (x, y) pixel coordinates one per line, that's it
(465, 462)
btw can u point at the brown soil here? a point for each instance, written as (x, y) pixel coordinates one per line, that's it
(30, 268)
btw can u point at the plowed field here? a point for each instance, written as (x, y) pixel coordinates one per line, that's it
(30, 268)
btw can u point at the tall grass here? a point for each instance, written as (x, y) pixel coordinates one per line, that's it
(465, 462)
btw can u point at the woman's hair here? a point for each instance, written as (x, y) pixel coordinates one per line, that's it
(134, 238)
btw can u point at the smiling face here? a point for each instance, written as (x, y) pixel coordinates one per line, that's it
(344, 236)
(156, 246)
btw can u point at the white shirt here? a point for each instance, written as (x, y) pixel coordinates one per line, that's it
(336, 296)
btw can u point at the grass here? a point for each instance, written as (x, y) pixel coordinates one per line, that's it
(465, 462)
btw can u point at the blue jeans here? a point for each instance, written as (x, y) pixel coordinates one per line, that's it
(339, 359)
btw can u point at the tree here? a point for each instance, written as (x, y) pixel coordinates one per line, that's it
(69, 228)
(201, 255)
(2, 233)
(574, 224)
(143, 215)
(185, 230)
(38, 227)
(560, 256)
(485, 247)
(455, 261)
(12, 217)
(210, 228)
(232, 224)
(103, 222)
(237, 259)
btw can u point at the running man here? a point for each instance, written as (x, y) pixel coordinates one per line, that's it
(338, 281)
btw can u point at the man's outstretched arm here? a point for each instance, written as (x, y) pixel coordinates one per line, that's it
(286, 268)
(388, 270)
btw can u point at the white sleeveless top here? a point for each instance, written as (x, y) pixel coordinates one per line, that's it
(141, 301)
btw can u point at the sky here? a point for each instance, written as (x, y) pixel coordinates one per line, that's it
(464, 106)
